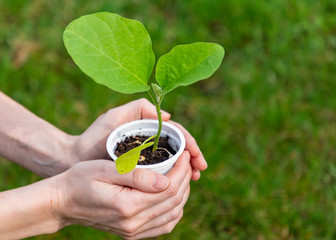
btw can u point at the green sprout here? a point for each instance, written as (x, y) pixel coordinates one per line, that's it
(117, 52)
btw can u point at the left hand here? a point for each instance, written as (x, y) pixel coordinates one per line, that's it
(91, 144)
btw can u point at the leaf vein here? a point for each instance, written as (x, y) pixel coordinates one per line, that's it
(111, 59)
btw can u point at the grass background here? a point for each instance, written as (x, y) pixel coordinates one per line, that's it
(266, 121)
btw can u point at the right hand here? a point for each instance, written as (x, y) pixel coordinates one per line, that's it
(139, 204)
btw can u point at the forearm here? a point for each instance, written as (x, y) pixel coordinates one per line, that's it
(32, 142)
(29, 211)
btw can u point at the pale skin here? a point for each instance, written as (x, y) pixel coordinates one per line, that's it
(82, 187)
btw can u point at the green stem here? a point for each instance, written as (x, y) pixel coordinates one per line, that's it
(156, 142)
(157, 94)
(152, 95)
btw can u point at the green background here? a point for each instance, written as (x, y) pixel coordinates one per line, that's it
(266, 121)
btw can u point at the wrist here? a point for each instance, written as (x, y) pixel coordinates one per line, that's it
(62, 200)
(30, 210)
(68, 158)
(52, 156)
(58, 201)
(31, 141)
(39, 147)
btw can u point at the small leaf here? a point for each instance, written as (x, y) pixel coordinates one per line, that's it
(127, 162)
(158, 92)
(186, 64)
(112, 50)
(148, 139)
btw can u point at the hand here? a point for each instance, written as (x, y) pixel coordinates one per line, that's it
(139, 204)
(91, 144)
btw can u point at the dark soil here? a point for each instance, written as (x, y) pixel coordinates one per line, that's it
(146, 156)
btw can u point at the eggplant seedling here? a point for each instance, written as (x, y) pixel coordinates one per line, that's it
(117, 52)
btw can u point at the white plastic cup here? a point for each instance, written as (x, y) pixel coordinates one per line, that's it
(149, 127)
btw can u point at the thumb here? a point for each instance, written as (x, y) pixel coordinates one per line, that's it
(143, 180)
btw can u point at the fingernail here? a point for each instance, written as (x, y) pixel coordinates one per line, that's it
(206, 164)
(160, 182)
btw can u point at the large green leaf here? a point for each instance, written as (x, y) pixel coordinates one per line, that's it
(186, 64)
(112, 50)
(127, 162)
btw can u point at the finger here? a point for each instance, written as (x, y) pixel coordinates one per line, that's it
(138, 109)
(143, 109)
(131, 223)
(168, 228)
(165, 217)
(157, 215)
(165, 115)
(139, 179)
(195, 174)
(146, 218)
(197, 159)
(181, 169)
(199, 163)
(142, 180)
(179, 172)
(105, 171)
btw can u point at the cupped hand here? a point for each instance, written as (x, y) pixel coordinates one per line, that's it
(135, 205)
(91, 144)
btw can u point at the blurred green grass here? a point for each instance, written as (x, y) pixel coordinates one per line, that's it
(265, 121)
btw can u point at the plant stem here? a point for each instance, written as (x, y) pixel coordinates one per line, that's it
(152, 95)
(157, 94)
(156, 142)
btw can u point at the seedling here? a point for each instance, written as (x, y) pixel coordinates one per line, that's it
(117, 52)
